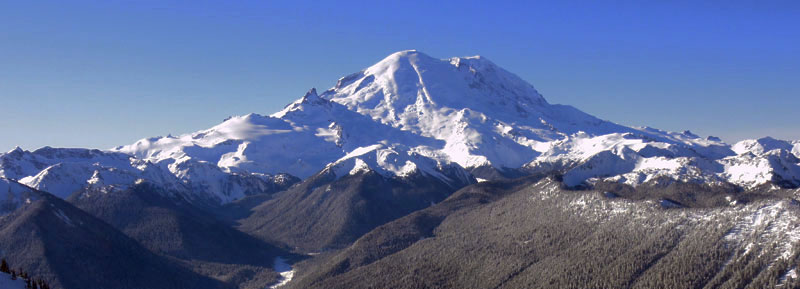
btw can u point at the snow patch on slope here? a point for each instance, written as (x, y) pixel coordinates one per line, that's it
(776, 223)
(7, 283)
(285, 270)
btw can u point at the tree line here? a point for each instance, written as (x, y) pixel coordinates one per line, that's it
(30, 282)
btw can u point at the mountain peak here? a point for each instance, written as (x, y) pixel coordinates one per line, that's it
(16, 150)
(406, 54)
(409, 82)
(761, 145)
(311, 92)
(311, 97)
(416, 54)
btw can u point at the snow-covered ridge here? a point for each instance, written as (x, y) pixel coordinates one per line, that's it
(395, 161)
(409, 113)
(300, 140)
(766, 145)
(63, 172)
(764, 160)
(629, 159)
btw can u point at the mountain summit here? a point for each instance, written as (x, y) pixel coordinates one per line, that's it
(409, 83)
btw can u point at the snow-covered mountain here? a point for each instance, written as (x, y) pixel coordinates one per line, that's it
(410, 114)
(764, 160)
(466, 111)
(610, 158)
(484, 114)
(63, 171)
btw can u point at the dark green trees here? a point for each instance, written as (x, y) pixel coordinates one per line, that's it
(4, 266)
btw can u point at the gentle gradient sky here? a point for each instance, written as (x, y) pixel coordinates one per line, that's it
(105, 73)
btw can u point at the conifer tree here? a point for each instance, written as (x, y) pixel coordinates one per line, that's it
(4, 266)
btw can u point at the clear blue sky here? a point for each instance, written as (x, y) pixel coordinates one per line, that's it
(106, 73)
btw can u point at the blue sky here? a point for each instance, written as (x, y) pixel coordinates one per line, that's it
(105, 73)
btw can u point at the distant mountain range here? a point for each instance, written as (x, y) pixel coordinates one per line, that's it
(372, 167)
